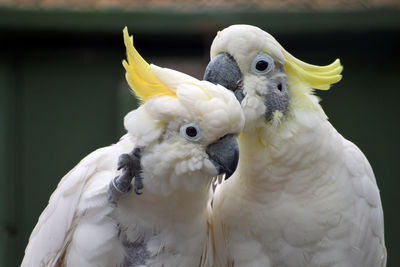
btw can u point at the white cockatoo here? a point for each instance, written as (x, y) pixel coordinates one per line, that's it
(181, 136)
(302, 194)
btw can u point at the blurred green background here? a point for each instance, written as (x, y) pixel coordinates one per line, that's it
(63, 94)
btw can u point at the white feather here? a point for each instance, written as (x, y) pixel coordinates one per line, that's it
(172, 78)
(310, 202)
(302, 194)
(171, 217)
(80, 203)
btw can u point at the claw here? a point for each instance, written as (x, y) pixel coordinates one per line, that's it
(137, 191)
(138, 185)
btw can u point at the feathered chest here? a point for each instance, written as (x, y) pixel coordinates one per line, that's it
(294, 183)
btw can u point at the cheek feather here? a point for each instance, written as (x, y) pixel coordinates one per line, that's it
(254, 110)
(167, 169)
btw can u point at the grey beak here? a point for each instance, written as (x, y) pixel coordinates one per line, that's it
(224, 70)
(224, 154)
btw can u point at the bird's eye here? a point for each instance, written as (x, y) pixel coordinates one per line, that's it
(191, 132)
(262, 64)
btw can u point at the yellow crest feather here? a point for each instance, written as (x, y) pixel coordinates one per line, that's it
(317, 77)
(139, 76)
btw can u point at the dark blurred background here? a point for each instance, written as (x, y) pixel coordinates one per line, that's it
(63, 93)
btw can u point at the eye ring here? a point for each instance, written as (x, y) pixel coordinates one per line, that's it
(190, 132)
(262, 64)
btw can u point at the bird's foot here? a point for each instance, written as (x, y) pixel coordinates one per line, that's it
(121, 186)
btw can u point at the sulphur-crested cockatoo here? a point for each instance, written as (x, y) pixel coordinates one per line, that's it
(302, 194)
(186, 140)
(183, 135)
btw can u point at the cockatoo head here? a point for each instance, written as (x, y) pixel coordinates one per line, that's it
(186, 128)
(269, 82)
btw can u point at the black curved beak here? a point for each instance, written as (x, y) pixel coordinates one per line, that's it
(224, 154)
(224, 70)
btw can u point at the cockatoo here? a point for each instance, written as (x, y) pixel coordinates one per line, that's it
(182, 135)
(302, 194)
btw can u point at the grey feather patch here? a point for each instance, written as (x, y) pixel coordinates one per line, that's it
(136, 253)
(277, 98)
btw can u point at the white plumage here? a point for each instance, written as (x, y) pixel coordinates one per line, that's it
(168, 224)
(171, 216)
(302, 194)
(76, 229)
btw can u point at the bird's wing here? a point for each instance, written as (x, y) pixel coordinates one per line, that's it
(367, 214)
(53, 232)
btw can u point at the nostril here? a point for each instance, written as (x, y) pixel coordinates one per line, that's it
(280, 87)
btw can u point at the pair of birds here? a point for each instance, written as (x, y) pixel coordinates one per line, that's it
(302, 195)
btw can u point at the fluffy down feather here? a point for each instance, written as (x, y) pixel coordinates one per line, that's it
(76, 229)
(170, 218)
(302, 194)
(167, 225)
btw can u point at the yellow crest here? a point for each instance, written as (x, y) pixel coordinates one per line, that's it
(139, 76)
(317, 77)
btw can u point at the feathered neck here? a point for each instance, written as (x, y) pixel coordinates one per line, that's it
(270, 156)
(171, 209)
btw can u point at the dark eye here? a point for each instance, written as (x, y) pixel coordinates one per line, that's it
(190, 132)
(262, 64)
